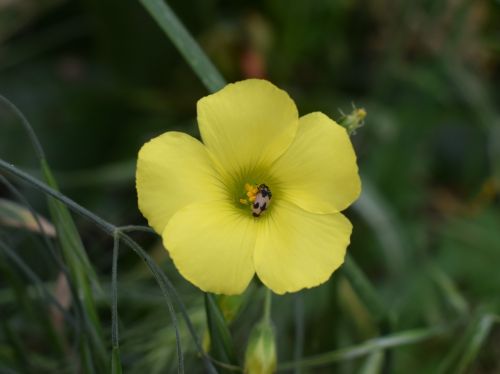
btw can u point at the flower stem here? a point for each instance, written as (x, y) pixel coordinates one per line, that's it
(267, 305)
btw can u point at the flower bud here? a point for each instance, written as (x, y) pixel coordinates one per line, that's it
(260, 356)
(353, 120)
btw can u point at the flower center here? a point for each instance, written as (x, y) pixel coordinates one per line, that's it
(258, 197)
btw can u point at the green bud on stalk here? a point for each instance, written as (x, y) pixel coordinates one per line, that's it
(260, 356)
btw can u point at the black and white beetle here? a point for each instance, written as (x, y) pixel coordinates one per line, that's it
(262, 200)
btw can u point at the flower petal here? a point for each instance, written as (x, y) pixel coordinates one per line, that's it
(318, 172)
(296, 249)
(173, 170)
(247, 123)
(212, 244)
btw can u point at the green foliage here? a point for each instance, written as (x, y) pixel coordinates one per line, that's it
(419, 289)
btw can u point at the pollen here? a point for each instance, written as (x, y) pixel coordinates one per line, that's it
(251, 191)
(249, 194)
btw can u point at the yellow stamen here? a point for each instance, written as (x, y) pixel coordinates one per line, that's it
(251, 193)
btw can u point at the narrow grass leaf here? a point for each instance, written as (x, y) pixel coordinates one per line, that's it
(373, 364)
(185, 43)
(162, 280)
(298, 349)
(466, 349)
(79, 267)
(116, 366)
(80, 270)
(221, 345)
(449, 290)
(368, 347)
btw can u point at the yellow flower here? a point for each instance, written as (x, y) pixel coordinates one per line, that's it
(201, 197)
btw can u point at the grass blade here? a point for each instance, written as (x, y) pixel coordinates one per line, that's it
(466, 349)
(368, 347)
(116, 366)
(185, 44)
(80, 270)
(221, 345)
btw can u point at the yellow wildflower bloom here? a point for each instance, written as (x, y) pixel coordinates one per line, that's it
(262, 193)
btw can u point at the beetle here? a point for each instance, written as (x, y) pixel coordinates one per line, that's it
(262, 200)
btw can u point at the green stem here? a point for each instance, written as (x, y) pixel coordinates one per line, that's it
(27, 127)
(374, 345)
(106, 226)
(267, 305)
(116, 366)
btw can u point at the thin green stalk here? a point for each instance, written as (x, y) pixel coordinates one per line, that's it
(299, 329)
(22, 199)
(449, 290)
(475, 343)
(27, 127)
(267, 305)
(160, 278)
(130, 228)
(39, 185)
(185, 44)
(370, 346)
(176, 297)
(221, 346)
(373, 363)
(465, 349)
(116, 367)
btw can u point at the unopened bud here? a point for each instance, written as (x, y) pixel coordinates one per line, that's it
(353, 120)
(260, 356)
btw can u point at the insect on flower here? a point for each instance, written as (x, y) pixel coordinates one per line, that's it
(262, 200)
(238, 204)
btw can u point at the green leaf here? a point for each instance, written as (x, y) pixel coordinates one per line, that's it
(221, 345)
(116, 365)
(81, 271)
(373, 364)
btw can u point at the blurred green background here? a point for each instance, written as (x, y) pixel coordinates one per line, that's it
(97, 79)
